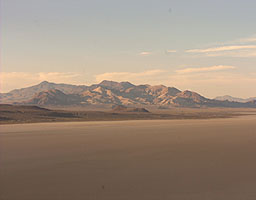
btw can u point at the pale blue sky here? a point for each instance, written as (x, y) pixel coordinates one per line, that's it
(83, 42)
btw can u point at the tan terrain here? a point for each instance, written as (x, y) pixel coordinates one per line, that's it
(16, 114)
(139, 160)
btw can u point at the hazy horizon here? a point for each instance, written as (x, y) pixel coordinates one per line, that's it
(205, 46)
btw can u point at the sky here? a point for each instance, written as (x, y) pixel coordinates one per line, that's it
(201, 45)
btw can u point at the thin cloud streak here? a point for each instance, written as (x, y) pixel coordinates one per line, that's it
(129, 76)
(204, 69)
(239, 54)
(223, 48)
(170, 51)
(248, 39)
(145, 53)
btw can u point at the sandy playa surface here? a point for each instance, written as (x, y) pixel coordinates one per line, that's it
(210, 159)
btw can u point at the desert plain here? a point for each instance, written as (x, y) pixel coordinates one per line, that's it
(179, 159)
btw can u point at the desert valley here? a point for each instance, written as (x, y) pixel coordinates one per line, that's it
(127, 100)
(121, 141)
(157, 159)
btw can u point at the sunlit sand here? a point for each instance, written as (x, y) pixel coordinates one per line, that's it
(168, 159)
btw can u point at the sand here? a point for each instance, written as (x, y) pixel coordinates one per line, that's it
(211, 159)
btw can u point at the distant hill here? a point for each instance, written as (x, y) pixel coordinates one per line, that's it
(121, 108)
(235, 99)
(25, 94)
(10, 114)
(113, 93)
(28, 113)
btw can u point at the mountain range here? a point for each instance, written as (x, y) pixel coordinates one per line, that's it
(235, 99)
(112, 93)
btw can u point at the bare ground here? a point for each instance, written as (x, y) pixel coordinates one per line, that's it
(15, 114)
(120, 160)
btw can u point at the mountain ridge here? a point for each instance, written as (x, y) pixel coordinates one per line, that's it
(236, 99)
(112, 93)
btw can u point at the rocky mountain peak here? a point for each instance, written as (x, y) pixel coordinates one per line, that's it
(116, 85)
(112, 93)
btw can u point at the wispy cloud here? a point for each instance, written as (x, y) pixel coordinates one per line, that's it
(235, 54)
(204, 69)
(146, 53)
(171, 51)
(243, 48)
(222, 48)
(247, 40)
(130, 76)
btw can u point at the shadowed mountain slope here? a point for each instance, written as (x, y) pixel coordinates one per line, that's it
(112, 93)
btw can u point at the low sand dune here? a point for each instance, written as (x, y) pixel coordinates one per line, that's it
(210, 159)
